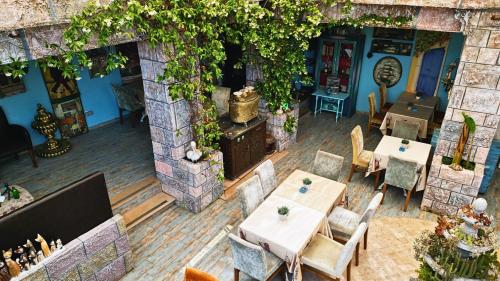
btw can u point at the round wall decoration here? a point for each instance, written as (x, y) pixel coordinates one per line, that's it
(388, 70)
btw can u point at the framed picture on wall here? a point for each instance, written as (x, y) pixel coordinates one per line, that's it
(66, 103)
(391, 47)
(394, 33)
(10, 86)
(388, 70)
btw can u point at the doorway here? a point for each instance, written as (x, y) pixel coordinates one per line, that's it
(429, 71)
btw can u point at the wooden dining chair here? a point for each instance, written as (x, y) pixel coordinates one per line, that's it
(344, 222)
(403, 174)
(330, 258)
(267, 176)
(384, 105)
(250, 195)
(405, 130)
(254, 261)
(360, 157)
(374, 118)
(193, 274)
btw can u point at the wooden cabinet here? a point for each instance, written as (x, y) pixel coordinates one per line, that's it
(242, 146)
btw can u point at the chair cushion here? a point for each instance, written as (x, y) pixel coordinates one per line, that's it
(364, 158)
(343, 222)
(322, 254)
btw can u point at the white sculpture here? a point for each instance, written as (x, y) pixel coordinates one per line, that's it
(59, 244)
(194, 154)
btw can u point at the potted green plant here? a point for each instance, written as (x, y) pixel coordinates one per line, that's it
(405, 144)
(307, 182)
(283, 212)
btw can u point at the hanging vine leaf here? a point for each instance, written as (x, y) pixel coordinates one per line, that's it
(426, 39)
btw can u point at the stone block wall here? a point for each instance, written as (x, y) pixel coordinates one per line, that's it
(476, 91)
(194, 185)
(102, 254)
(275, 125)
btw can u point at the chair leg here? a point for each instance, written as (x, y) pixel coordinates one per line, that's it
(365, 244)
(236, 274)
(33, 158)
(407, 200)
(377, 179)
(353, 167)
(357, 254)
(349, 271)
(120, 111)
(384, 189)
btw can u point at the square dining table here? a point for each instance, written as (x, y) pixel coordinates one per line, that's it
(323, 195)
(287, 239)
(421, 115)
(389, 146)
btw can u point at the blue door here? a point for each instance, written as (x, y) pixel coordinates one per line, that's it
(429, 71)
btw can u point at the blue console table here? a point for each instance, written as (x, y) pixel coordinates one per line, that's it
(335, 99)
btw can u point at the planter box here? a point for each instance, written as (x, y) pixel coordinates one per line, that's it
(275, 125)
(195, 185)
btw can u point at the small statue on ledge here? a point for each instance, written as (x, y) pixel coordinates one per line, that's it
(11, 192)
(43, 244)
(194, 154)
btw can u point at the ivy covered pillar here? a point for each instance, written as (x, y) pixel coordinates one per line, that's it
(194, 185)
(275, 124)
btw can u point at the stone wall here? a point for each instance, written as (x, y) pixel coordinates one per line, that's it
(194, 185)
(102, 254)
(476, 91)
(275, 125)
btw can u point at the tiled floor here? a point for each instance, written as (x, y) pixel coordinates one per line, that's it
(123, 153)
(166, 243)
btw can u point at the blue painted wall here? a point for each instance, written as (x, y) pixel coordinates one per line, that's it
(21, 108)
(367, 84)
(96, 95)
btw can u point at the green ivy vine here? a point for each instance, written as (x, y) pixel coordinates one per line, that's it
(424, 40)
(290, 124)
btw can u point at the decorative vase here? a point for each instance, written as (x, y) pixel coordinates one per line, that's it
(15, 193)
(45, 124)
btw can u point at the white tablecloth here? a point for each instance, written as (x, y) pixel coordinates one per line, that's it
(323, 195)
(416, 152)
(286, 239)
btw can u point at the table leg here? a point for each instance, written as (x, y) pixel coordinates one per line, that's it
(342, 111)
(321, 105)
(377, 179)
(338, 108)
(316, 106)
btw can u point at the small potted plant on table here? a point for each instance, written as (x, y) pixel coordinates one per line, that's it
(283, 212)
(307, 184)
(404, 145)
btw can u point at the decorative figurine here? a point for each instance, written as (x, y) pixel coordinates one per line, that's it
(40, 256)
(194, 154)
(59, 244)
(4, 272)
(2, 199)
(43, 245)
(52, 246)
(14, 268)
(33, 258)
(24, 262)
(6, 191)
(29, 246)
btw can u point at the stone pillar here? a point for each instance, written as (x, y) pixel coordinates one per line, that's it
(476, 92)
(194, 185)
(275, 123)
